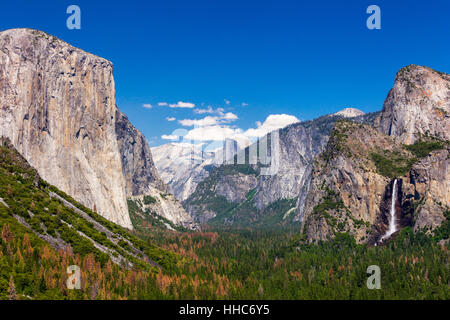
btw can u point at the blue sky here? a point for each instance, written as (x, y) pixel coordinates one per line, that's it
(301, 58)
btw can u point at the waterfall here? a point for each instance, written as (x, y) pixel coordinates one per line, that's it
(392, 227)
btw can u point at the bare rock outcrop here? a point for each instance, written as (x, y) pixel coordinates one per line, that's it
(428, 185)
(138, 167)
(235, 187)
(417, 105)
(165, 205)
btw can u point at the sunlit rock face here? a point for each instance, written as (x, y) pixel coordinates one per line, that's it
(57, 106)
(58, 109)
(417, 105)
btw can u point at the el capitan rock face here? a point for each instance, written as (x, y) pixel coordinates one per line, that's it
(58, 109)
(57, 106)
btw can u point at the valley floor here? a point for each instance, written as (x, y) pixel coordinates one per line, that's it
(245, 264)
(231, 265)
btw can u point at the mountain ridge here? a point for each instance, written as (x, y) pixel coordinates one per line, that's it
(299, 144)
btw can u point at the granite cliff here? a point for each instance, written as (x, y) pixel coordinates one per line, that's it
(417, 105)
(57, 107)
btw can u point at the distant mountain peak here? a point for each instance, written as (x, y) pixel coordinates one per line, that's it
(349, 113)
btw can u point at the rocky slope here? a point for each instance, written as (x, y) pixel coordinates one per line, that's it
(299, 145)
(345, 191)
(137, 164)
(142, 178)
(57, 106)
(167, 207)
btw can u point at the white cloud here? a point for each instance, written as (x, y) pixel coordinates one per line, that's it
(244, 104)
(215, 128)
(272, 122)
(169, 137)
(203, 111)
(181, 104)
(209, 120)
(171, 119)
(229, 116)
(209, 110)
(147, 105)
(215, 133)
(227, 102)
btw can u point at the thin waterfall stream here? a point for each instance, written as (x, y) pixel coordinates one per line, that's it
(392, 226)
